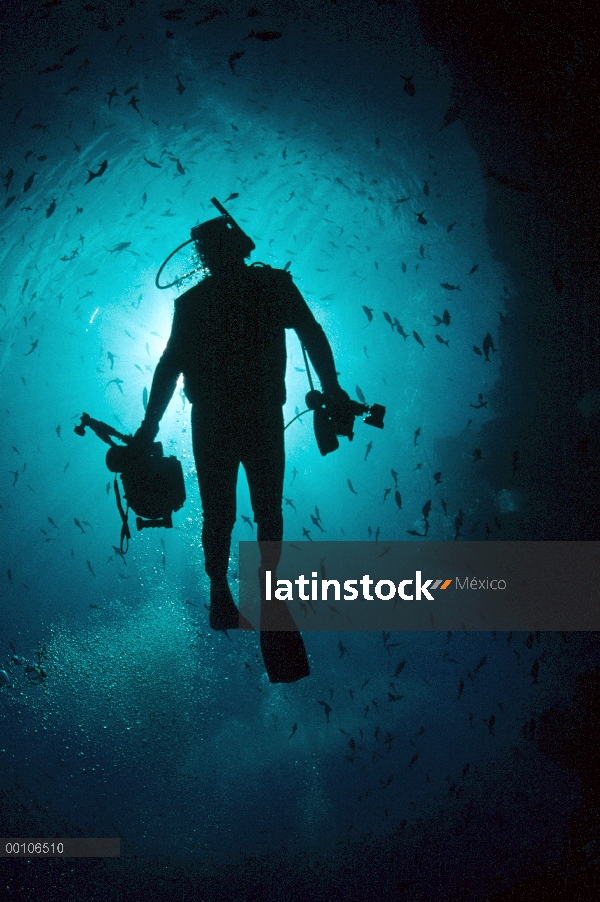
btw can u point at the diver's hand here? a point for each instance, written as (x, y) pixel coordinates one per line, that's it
(339, 397)
(145, 435)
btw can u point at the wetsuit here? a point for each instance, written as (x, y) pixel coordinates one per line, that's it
(228, 340)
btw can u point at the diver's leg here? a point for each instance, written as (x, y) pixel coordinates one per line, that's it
(263, 457)
(217, 463)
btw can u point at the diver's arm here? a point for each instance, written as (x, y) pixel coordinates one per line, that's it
(315, 341)
(164, 381)
(319, 350)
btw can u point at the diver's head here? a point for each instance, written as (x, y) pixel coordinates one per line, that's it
(221, 245)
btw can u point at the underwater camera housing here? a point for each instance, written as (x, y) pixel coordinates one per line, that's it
(333, 418)
(153, 484)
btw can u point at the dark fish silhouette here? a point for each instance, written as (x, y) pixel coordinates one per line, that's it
(291, 504)
(180, 86)
(446, 318)
(399, 329)
(123, 245)
(443, 341)
(351, 488)
(408, 85)
(416, 436)
(29, 182)
(248, 521)
(306, 534)
(32, 348)
(474, 269)
(451, 115)
(450, 287)
(360, 395)
(134, 102)
(488, 345)
(386, 492)
(51, 208)
(328, 709)
(398, 499)
(458, 522)
(515, 184)
(96, 175)
(426, 189)
(450, 227)
(426, 510)
(151, 163)
(232, 196)
(368, 312)
(437, 476)
(234, 58)
(111, 95)
(368, 451)
(418, 339)
(145, 398)
(388, 319)
(477, 350)
(420, 217)
(477, 455)
(264, 35)
(394, 477)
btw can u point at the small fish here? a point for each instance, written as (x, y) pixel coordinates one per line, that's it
(264, 35)
(416, 436)
(343, 649)
(413, 759)
(394, 477)
(451, 115)
(490, 724)
(386, 492)
(408, 85)
(231, 196)
(316, 522)
(306, 533)
(446, 318)
(130, 89)
(437, 476)
(234, 58)
(51, 209)
(133, 102)
(400, 668)
(368, 451)
(443, 341)
(474, 269)
(461, 687)
(360, 395)
(421, 218)
(458, 522)
(294, 728)
(368, 312)
(328, 709)
(418, 339)
(29, 182)
(477, 455)
(145, 398)
(398, 499)
(248, 521)
(123, 245)
(111, 95)
(291, 504)
(90, 568)
(351, 488)
(426, 510)
(152, 163)
(96, 175)
(180, 86)
(58, 431)
(32, 348)
(478, 350)
(399, 329)
(388, 319)
(450, 227)
(450, 287)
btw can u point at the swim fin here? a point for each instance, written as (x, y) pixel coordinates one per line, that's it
(281, 644)
(284, 655)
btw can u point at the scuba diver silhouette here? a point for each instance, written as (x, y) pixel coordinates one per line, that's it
(228, 340)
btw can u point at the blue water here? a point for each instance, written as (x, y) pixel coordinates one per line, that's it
(149, 726)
